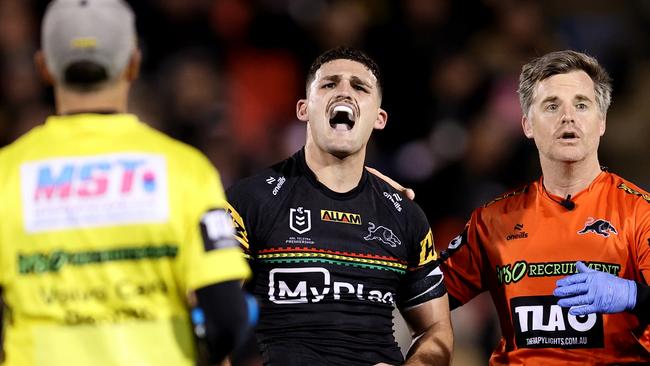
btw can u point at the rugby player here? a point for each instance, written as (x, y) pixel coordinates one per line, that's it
(333, 248)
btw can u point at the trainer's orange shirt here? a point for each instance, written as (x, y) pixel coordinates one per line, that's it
(518, 246)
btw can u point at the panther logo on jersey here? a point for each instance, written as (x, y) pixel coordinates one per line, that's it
(600, 227)
(383, 234)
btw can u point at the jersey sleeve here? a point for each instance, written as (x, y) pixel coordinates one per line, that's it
(241, 213)
(464, 266)
(213, 255)
(241, 233)
(642, 240)
(423, 280)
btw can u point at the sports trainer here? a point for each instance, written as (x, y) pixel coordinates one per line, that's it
(577, 220)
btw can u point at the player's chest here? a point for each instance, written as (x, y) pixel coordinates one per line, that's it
(312, 220)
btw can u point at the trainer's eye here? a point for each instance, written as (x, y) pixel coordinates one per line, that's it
(581, 106)
(329, 86)
(552, 107)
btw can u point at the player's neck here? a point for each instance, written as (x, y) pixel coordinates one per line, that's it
(110, 98)
(339, 175)
(562, 179)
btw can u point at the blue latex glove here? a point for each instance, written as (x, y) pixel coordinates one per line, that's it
(590, 291)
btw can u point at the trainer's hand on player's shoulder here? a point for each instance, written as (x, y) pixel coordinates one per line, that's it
(408, 192)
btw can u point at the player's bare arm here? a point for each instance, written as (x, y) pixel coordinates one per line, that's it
(431, 329)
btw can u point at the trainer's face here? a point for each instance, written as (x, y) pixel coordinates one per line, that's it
(564, 118)
(342, 108)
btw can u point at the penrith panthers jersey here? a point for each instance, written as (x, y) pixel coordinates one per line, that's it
(329, 267)
(520, 244)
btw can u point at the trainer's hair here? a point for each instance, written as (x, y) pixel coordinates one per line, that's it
(562, 62)
(345, 53)
(84, 76)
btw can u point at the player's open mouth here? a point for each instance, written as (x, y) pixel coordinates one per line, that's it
(342, 118)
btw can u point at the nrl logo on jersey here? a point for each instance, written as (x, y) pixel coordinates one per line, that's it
(342, 217)
(300, 220)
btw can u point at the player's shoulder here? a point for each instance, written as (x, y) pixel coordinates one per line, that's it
(269, 184)
(394, 199)
(627, 190)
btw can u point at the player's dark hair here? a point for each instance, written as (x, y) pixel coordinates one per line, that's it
(345, 53)
(562, 62)
(84, 76)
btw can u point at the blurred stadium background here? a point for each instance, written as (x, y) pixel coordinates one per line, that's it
(224, 76)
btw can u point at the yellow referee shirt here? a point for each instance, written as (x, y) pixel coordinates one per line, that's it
(105, 226)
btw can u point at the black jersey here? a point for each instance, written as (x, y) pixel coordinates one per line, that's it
(329, 267)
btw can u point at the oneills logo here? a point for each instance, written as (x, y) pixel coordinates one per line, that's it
(342, 217)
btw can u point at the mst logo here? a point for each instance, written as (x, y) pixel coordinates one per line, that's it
(383, 234)
(91, 191)
(300, 220)
(598, 226)
(313, 284)
(540, 323)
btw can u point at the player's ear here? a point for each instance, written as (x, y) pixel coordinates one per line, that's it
(41, 67)
(382, 118)
(527, 125)
(133, 67)
(301, 110)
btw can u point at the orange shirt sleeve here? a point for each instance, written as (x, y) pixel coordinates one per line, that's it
(464, 268)
(642, 242)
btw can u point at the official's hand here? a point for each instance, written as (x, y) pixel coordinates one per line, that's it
(408, 192)
(590, 291)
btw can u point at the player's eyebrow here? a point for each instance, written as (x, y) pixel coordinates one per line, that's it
(354, 80)
(334, 78)
(358, 81)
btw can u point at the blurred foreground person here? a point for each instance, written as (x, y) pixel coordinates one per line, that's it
(107, 224)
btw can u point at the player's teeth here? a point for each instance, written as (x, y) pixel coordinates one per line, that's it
(344, 108)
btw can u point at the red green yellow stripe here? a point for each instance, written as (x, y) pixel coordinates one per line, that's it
(318, 250)
(343, 263)
(312, 255)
